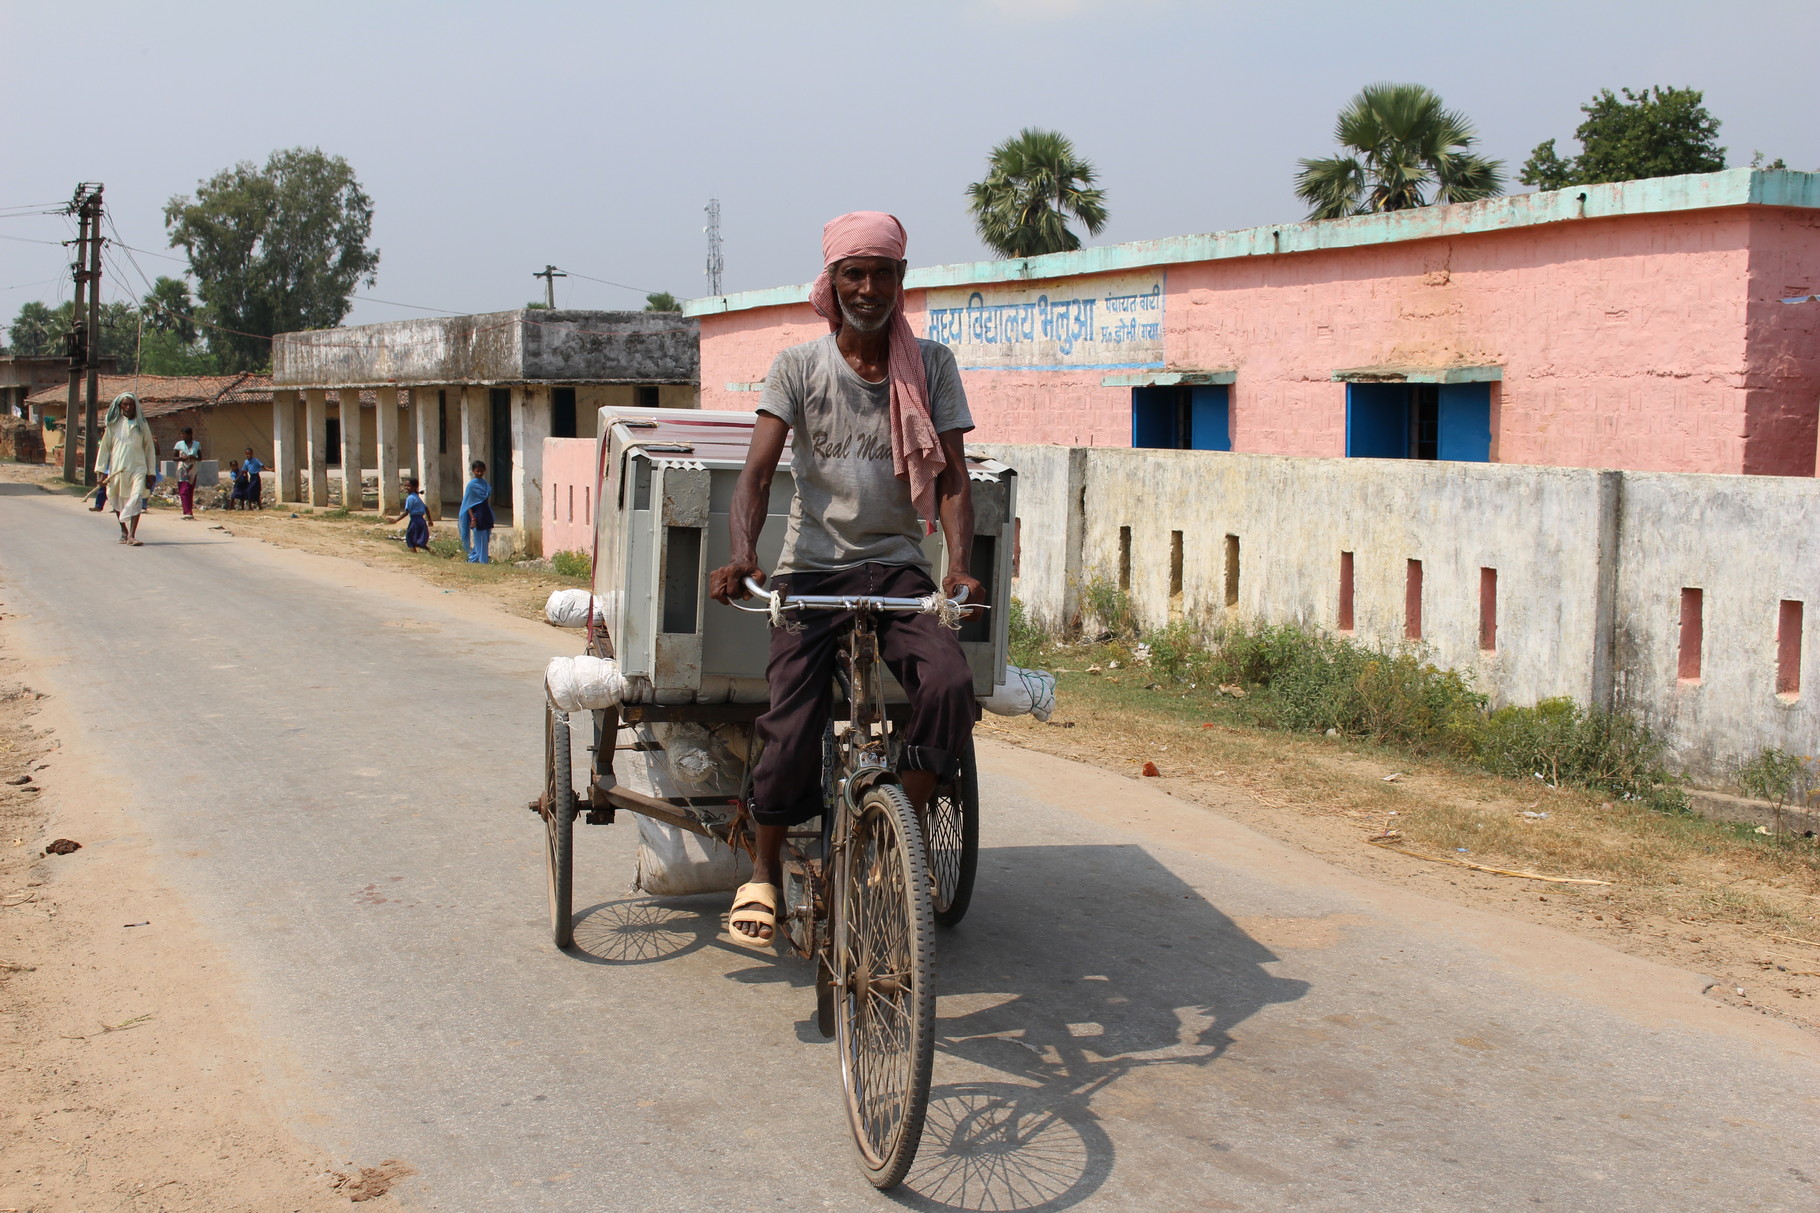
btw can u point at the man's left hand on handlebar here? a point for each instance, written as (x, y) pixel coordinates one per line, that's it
(728, 582)
(953, 583)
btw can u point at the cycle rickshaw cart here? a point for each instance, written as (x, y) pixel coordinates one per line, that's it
(864, 884)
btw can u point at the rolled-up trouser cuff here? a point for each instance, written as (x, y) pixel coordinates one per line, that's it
(791, 815)
(926, 758)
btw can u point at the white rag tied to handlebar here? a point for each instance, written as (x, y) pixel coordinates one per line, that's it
(945, 609)
(778, 619)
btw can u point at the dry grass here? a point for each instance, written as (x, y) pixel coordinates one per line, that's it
(1682, 888)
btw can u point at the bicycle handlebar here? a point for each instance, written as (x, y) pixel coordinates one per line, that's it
(847, 602)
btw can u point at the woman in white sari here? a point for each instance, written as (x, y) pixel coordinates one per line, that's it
(129, 454)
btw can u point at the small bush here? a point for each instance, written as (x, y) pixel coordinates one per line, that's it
(572, 564)
(1110, 607)
(1563, 743)
(1778, 777)
(1304, 681)
(1026, 639)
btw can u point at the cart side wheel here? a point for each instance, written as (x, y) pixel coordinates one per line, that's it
(952, 831)
(884, 982)
(559, 825)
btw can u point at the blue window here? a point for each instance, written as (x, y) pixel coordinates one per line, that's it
(1181, 418)
(1419, 421)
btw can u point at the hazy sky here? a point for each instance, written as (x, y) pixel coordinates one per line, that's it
(497, 138)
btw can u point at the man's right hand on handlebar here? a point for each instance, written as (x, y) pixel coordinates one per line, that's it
(728, 582)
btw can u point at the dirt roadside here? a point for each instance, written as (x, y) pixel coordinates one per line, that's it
(130, 1076)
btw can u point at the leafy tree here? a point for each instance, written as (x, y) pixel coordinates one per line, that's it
(1654, 133)
(42, 332)
(275, 249)
(1035, 182)
(169, 309)
(164, 352)
(662, 301)
(39, 332)
(1403, 142)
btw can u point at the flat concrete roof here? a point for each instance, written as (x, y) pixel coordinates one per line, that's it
(525, 345)
(1653, 196)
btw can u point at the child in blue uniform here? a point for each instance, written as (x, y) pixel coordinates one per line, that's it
(417, 531)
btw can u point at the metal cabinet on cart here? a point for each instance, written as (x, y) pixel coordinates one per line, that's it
(666, 479)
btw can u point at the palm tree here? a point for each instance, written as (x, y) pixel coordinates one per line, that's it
(1404, 141)
(1034, 183)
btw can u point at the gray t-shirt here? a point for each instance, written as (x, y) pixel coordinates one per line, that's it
(850, 509)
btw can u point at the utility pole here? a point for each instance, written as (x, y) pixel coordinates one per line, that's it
(549, 274)
(715, 262)
(79, 341)
(94, 333)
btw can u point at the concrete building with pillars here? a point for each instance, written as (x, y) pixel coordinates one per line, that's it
(490, 387)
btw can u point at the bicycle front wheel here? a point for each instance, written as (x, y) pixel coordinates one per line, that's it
(884, 988)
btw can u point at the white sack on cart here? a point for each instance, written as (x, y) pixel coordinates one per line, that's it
(673, 862)
(676, 863)
(578, 684)
(1023, 691)
(569, 608)
(698, 759)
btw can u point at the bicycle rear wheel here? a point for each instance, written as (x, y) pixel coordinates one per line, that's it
(884, 989)
(559, 826)
(951, 828)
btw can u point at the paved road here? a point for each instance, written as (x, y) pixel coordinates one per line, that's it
(1150, 1008)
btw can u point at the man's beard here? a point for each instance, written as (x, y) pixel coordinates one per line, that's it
(866, 326)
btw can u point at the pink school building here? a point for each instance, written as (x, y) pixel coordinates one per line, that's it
(1639, 325)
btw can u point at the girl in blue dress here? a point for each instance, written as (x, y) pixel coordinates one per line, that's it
(417, 531)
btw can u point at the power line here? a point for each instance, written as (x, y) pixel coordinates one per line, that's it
(605, 282)
(148, 252)
(31, 240)
(415, 306)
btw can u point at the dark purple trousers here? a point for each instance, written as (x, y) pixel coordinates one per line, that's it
(925, 656)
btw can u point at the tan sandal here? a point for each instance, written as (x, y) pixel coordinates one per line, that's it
(750, 895)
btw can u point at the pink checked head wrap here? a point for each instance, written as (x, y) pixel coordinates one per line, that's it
(916, 451)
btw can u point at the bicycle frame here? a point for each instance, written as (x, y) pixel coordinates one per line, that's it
(863, 754)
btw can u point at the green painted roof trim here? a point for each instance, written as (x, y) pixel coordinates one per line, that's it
(1170, 379)
(1653, 196)
(1421, 374)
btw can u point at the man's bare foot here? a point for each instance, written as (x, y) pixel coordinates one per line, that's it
(753, 919)
(767, 869)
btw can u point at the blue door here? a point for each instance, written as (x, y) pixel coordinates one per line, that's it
(1377, 421)
(1155, 417)
(1465, 422)
(1181, 418)
(1210, 418)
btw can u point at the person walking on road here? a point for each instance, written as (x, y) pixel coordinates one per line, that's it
(186, 452)
(129, 454)
(476, 520)
(417, 531)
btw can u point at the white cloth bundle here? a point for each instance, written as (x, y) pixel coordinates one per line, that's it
(1023, 691)
(676, 863)
(569, 608)
(578, 684)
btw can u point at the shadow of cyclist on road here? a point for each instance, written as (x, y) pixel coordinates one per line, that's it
(1077, 966)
